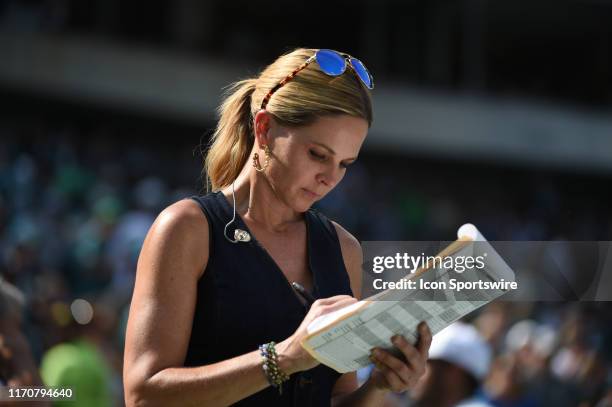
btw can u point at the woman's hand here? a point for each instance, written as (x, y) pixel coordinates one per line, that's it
(292, 356)
(396, 375)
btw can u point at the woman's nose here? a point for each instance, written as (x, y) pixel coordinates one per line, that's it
(321, 179)
(329, 178)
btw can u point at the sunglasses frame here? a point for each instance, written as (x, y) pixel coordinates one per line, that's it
(347, 63)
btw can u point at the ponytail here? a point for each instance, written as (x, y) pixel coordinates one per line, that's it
(232, 140)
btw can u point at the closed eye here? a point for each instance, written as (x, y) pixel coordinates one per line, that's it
(318, 156)
(323, 157)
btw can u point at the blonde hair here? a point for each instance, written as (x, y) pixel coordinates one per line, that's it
(309, 95)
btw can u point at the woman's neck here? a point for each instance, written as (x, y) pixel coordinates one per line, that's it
(258, 204)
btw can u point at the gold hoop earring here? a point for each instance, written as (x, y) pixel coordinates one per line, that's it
(256, 163)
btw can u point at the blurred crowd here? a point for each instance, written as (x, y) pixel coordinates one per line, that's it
(520, 354)
(75, 205)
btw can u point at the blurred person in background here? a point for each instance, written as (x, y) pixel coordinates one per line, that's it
(579, 363)
(205, 297)
(505, 386)
(529, 346)
(519, 374)
(82, 361)
(459, 360)
(123, 245)
(549, 364)
(17, 365)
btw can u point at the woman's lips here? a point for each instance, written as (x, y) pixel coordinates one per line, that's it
(311, 194)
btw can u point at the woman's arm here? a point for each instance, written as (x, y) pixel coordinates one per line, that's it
(390, 374)
(173, 257)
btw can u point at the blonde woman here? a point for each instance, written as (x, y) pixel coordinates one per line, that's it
(215, 319)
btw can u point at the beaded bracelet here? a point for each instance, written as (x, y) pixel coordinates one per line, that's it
(274, 374)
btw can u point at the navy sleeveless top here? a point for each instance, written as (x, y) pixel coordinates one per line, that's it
(244, 300)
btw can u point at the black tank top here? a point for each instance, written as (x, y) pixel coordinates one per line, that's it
(244, 300)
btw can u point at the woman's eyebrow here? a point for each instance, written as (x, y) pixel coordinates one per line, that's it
(332, 152)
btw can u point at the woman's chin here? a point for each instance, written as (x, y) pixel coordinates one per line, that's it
(303, 204)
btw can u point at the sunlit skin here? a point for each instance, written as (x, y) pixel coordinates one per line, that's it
(309, 162)
(306, 163)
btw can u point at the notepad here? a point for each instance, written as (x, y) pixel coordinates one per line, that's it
(343, 338)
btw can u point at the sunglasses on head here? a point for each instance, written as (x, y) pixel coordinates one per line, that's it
(332, 63)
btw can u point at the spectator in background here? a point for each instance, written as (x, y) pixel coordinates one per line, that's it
(124, 243)
(459, 360)
(80, 363)
(17, 365)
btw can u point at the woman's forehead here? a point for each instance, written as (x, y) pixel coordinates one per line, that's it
(341, 131)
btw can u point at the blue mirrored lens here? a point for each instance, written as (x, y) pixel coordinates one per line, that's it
(362, 72)
(330, 62)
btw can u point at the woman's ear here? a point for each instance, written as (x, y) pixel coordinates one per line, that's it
(261, 127)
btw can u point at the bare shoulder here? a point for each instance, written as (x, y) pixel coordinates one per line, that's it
(182, 228)
(184, 211)
(352, 255)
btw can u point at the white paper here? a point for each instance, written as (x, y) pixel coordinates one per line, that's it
(346, 345)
